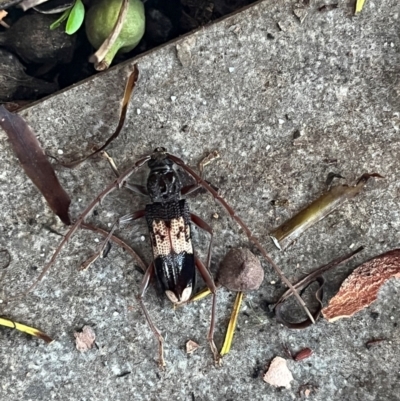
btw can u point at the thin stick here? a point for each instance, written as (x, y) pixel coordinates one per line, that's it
(232, 324)
(27, 4)
(25, 329)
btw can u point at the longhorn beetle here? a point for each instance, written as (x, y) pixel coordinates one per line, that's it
(168, 219)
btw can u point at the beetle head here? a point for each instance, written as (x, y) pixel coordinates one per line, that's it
(163, 183)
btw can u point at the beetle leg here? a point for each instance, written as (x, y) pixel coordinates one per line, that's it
(240, 222)
(205, 274)
(143, 289)
(206, 227)
(116, 184)
(122, 220)
(207, 160)
(188, 189)
(138, 260)
(137, 189)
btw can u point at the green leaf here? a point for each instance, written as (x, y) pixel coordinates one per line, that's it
(60, 20)
(75, 18)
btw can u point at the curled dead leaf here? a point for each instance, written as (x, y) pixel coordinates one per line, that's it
(35, 162)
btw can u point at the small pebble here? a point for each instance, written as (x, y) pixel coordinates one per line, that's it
(60, 151)
(240, 270)
(231, 69)
(278, 374)
(84, 340)
(138, 111)
(173, 98)
(191, 346)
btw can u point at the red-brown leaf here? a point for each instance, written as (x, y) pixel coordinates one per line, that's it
(35, 163)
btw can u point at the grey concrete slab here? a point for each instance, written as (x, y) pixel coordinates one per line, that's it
(246, 87)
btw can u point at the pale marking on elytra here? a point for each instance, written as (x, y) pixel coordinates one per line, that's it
(175, 239)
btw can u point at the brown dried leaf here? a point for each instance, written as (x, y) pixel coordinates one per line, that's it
(361, 288)
(35, 163)
(315, 275)
(278, 374)
(84, 340)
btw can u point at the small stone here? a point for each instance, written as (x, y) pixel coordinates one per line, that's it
(184, 51)
(191, 346)
(84, 340)
(60, 151)
(231, 69)
(278, 374)
(173, 98)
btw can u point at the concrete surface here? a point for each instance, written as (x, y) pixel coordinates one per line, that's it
(250, 84)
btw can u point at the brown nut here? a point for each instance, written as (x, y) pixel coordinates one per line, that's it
(240, 270)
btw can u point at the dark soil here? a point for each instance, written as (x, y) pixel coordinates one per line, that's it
(165, 20)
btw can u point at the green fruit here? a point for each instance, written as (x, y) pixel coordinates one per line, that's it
(101, 19)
